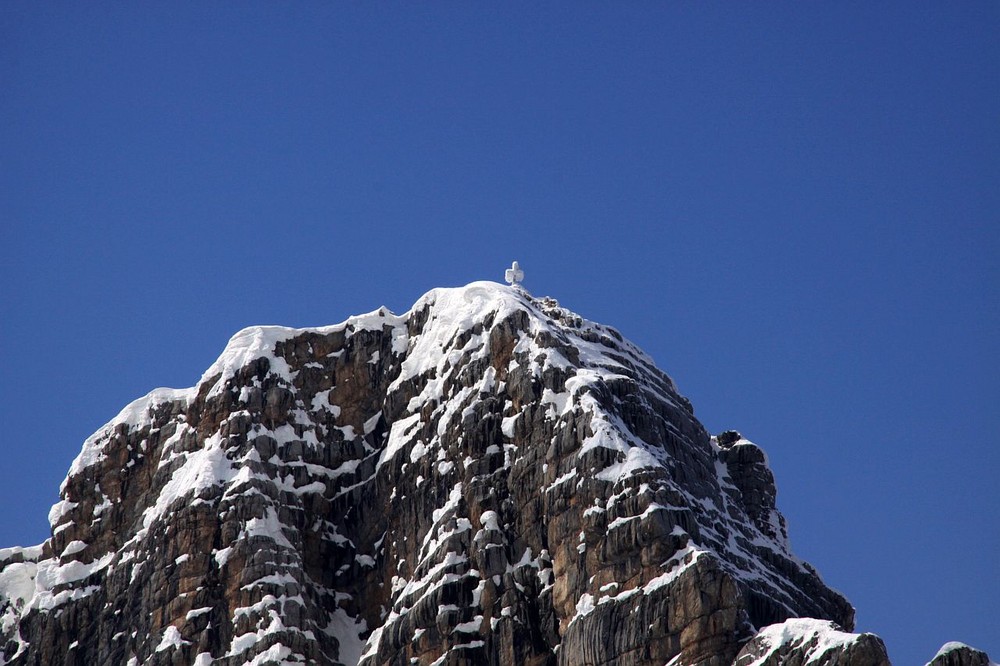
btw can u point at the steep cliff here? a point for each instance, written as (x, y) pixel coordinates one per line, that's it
(485, 479)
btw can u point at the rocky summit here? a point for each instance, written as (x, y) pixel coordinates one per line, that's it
(485, 479)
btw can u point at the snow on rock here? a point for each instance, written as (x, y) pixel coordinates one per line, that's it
(135, 415)
(171, 639)
(951, 646)
(17, 582)
(248, 345)
(319, 490)
(347, 631)
(813, 643)
(18, 571)
(453, 312)
(72, 548)
(819, 635)
(955, 653)
(201, 469)
(60, 509)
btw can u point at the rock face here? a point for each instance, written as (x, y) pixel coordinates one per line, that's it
(486, 479)
(959, 654)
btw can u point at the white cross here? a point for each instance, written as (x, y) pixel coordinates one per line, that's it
(514, 274)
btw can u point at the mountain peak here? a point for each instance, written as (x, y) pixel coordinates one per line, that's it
(486, 478)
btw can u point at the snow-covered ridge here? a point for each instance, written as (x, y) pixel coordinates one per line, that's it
(257, 342)
(246, 346)
(453, 310)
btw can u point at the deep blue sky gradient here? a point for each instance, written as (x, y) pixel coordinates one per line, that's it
(795, 209)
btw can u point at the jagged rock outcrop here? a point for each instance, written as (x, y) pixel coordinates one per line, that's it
(960, 654)
(809, 642)
(485, 479)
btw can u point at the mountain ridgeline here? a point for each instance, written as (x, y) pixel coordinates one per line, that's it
(485, 479)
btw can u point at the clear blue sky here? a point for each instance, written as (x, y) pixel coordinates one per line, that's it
(795, 208)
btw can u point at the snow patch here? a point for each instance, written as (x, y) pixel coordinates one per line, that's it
(60, 509)
(202, 469)
(171, 639)
(398, 438)
(72, 548)
(347, 630)
(490, 520)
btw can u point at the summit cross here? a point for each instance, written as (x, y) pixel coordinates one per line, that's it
(514, 275)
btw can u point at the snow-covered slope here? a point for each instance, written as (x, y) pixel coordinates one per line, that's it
(487, 477)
